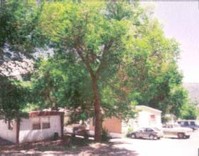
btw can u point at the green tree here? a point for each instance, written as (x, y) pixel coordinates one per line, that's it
(62, 82)
(154, 72)
(18, 35)
(124, 52)
(109, 55)
(189, 111)
(12, 98)
(98, 39)
(18, 21)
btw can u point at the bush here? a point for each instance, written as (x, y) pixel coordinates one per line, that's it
(130, 129)
(105, 135)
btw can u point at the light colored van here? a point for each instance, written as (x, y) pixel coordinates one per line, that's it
(175, 130)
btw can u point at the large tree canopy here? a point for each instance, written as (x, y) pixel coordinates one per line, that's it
(12, 98)
(122, 51)
(97, 40)
(18, 31)
(154, 70)
(107, 57)
(18, 20)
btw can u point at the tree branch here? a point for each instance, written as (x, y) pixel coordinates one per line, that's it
(79, 51)
(103, 58)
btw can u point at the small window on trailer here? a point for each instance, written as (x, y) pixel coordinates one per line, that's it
(45, 122)
(36, 123)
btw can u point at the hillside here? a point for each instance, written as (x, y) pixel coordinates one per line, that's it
(193, 89)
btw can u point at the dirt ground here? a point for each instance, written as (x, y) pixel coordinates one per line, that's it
(75, 146)
(115, 147)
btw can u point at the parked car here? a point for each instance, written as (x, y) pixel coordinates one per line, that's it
(78, 129)
(189, 123)
(175, 130)
(148, 133)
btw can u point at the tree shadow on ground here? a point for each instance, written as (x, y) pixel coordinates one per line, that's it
(111, 150)
(4, 142)
(59, 148)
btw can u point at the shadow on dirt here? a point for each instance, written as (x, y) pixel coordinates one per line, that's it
(4, 142)
(72, 146)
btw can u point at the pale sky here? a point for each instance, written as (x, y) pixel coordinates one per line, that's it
(180, 20)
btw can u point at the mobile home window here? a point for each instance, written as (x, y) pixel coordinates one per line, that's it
(36, 126)
(192, 123)
(45, 123)
(36, 123)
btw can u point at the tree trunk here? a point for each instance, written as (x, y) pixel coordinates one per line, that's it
(97, 109)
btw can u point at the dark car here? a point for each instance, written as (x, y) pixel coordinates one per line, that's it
(189, 124)
(148, 133)
(80, 130)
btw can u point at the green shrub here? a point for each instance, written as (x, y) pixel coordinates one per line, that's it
(105, 135)
(130, 129)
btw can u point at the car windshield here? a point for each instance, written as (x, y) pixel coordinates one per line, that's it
(192, 123)
(171, 125)
(176, 125)
(141, 129)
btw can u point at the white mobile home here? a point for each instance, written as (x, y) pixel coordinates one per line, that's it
(40, 125)
(148, 116)
(145, 117)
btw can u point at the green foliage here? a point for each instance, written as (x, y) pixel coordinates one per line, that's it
(129, 131)
(122, 46)
(105, 135)
(12, 98)
(18, 32)
(62, 82)
(18, 25)
(156, 81)
(189, 111)
(111, 55)
(96, 41)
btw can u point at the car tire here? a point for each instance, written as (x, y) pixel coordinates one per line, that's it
(152, 137)
(187, 136)
(133, 136)
(156, 137)
(181, 136)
